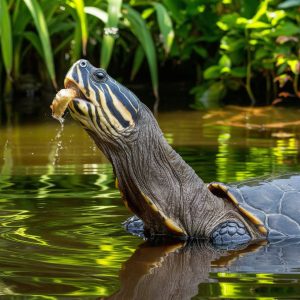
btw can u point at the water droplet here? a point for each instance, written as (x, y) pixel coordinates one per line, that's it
(54, 153)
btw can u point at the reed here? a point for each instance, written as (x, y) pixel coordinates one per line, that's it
(46, 31)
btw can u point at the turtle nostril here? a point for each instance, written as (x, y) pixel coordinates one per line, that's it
(83, 64)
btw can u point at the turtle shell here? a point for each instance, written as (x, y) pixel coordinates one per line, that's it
(272, 204)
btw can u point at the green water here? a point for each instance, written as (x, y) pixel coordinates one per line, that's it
(61, 215)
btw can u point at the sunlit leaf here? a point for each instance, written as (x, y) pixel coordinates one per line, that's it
(276, 16)
(147, 12)
(289, 3)
(262, 9)
(232, 43)
(225, 61)
(41, 26)
(79, 6)
(294, 64)
(165, 25)
(142, 33)
(257, 24)
(6, 36)
(97, 12)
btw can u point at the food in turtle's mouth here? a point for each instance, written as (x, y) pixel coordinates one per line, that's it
(63, 98)
(61, 101)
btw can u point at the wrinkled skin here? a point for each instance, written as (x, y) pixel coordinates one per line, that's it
(155, 183)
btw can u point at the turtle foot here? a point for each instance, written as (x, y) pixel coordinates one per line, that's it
(135, 226)
(230, 232)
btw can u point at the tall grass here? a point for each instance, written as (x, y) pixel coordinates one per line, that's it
(41, 26)
(6, 36)
(52, 31)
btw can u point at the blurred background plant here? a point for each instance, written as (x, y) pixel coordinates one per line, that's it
(230, 51)
(258, 52)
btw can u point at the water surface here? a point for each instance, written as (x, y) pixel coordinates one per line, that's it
(60, 214)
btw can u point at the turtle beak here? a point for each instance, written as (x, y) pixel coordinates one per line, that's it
(69, 83)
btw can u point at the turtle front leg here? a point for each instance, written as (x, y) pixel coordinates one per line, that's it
(135, 226)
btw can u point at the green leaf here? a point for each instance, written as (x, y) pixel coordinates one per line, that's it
(6, 36)
(257, 24)
(261, 53)
(137, 61)
(233, 43)
(34, 40)
(228, 21)
(41, 26)
(200, 51)
(21, 18)
(225, 61)
(212, 96)
(63, 44)
(239, 72)
(76, 46)
(97, 12)
(165, 25)
(113, 10)
(174, 8)
(262, 9)
(249, 8)
(294, 64)
(147, 12)
(212, 72)
(276, 16)
(287, 29)
(289, 3)
(79, 6)
(142, 33)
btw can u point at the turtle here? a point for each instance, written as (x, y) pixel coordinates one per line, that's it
(164, 193)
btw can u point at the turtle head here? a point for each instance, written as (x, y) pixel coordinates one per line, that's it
(105, 108)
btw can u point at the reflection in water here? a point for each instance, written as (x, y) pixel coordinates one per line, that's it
(60, 224)
(178, 271)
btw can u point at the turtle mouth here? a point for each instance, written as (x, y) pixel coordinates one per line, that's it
(70, 84)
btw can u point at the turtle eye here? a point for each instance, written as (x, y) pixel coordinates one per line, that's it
(83, 64)
(99, 75)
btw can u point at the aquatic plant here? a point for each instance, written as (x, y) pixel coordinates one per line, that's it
(62, 31)
(236, 48)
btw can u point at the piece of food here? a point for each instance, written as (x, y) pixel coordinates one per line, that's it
(61, 101)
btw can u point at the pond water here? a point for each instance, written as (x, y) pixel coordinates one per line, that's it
(61, 215)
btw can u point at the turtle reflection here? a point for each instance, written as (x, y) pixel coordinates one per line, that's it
(171, 271)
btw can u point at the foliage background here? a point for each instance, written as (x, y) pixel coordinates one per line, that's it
(230, 51)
